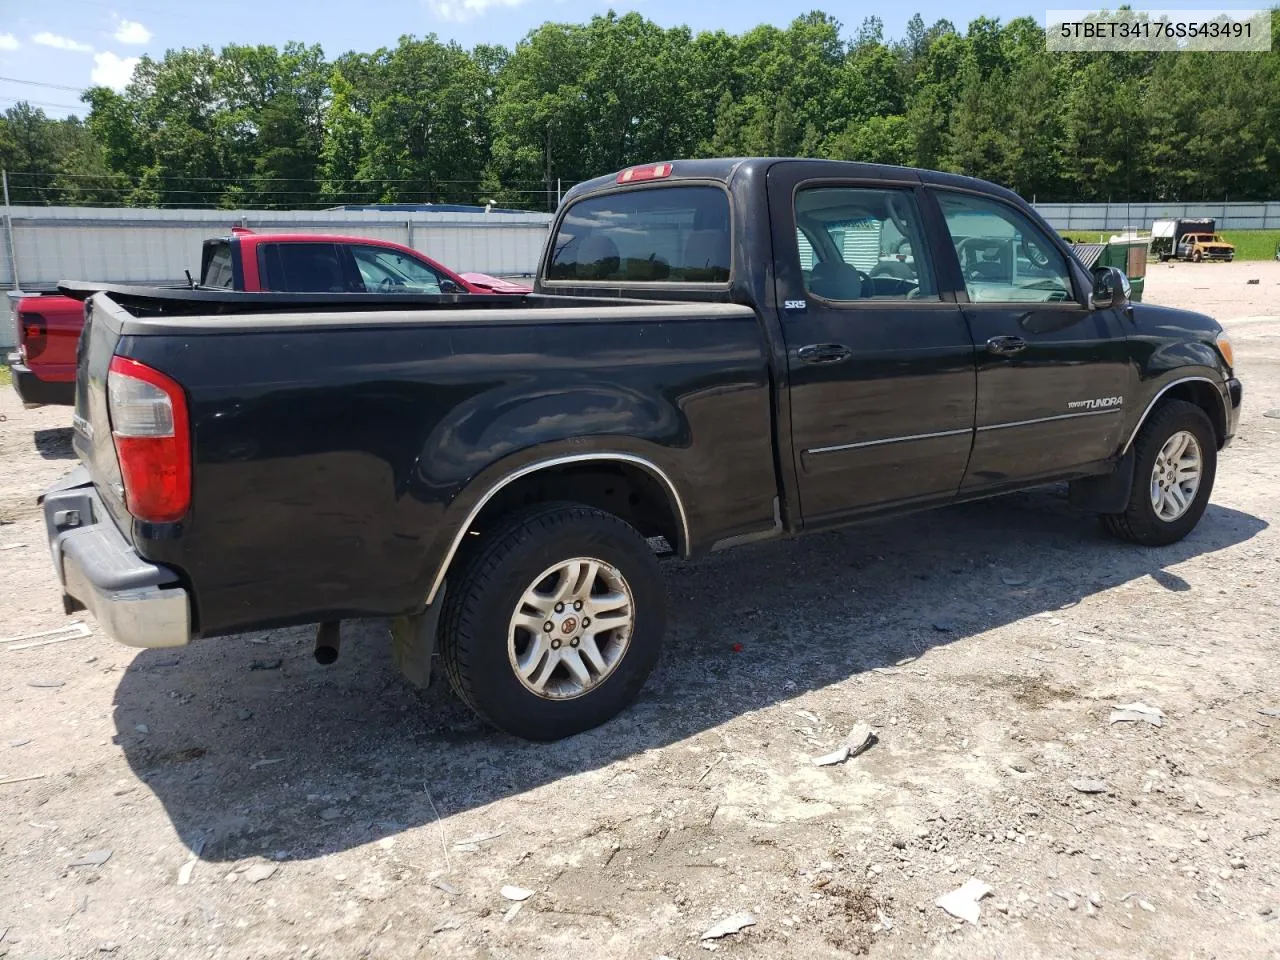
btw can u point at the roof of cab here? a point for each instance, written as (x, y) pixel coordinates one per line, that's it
(725, 168)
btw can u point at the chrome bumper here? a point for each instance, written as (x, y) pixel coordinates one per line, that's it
(138, 603)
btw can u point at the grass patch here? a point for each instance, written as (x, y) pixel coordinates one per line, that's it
(1249, 244)
(1253, 244)
(5, 376)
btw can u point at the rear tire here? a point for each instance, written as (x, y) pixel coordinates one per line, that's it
(1156, 515)
(493, 640)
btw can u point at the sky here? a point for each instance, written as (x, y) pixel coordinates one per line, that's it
(59, 47)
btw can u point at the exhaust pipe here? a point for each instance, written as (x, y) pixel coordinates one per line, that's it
(328, 642)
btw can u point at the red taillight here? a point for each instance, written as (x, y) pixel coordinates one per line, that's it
(653, 171)
(153, 444)
(34, 333)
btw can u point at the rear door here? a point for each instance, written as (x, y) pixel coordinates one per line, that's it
(308, 267)
(1052, 373)
(879, 361)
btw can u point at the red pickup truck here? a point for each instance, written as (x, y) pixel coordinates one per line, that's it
(44, 368)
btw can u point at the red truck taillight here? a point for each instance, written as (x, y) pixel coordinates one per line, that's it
(34, 333)
(153, 444)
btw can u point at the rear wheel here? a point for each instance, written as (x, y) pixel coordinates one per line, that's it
(1175, 461)
(555, 621)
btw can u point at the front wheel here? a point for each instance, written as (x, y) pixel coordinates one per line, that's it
(1197, 257)
(1175, 461)
(555, 621)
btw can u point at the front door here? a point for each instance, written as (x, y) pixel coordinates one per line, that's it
(1052, 373)
(880, 364)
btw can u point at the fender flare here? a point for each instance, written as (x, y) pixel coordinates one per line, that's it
(605, 455)
(1217, 391)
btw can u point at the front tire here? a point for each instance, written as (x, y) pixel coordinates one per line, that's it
(1175, 462)
(555, 621)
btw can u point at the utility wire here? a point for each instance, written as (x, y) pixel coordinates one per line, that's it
(41, 83)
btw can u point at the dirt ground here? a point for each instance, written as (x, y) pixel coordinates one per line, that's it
(255, 804)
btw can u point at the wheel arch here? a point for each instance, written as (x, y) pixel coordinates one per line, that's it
(1198, 389)
(629, 485)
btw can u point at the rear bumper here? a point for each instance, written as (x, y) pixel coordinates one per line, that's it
(138, 603)
(33, 391)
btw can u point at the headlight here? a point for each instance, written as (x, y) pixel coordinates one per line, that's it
(1223, 343)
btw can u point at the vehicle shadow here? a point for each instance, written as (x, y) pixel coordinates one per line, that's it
(54, 443)
(254, 749)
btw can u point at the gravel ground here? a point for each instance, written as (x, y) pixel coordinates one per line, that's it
(255, 804)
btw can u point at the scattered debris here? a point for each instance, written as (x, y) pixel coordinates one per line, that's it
(1014, 581)
(272, 664)
(447, 887)
(1146, 906)
(1270, 712)
(1069, 897)
(73, 630)
(860, 738)
(261, 871)
(1249, 283)
(477, 840)
(142, 728)
(265, 763)
(109, 947)
(1273, 414)
(733, 924)
(12, 546)
(516, 893)
(20, 743)
(1133, 712)
(185, 871)
(962, 902)
(1085, 785)
(511, 914)
(330, 813)
(944, 628)
(243, 714)
(34, 776)
(47, 684)
(94, 858)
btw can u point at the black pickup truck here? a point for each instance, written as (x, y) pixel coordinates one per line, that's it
(716, 352)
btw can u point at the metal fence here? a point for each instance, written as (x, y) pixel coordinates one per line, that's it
(1117, 216)
(155, 246)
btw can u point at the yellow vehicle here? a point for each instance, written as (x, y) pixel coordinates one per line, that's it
(1204, 246)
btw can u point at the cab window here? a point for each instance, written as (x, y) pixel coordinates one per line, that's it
(862, 243)
(1004, 257)
(669, 234)
(385, 270)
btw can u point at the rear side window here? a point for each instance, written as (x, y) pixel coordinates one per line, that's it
(306, 268)
(673, 234)
(217, 266)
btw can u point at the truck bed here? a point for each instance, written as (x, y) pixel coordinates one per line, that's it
(336, 452)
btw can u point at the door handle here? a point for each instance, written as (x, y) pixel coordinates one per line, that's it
(1006, 346)
(824, 353)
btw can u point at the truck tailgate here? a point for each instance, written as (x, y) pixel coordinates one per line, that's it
(91, 421)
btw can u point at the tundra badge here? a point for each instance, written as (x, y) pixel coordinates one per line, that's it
(1096, 404)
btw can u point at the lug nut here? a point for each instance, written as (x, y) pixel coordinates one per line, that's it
(574, 643)
(578, 605)
(586, 621)
(548, 626)
(555, 644)
(559, 608)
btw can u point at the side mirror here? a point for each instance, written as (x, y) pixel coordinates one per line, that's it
(1111, 288)
(448, 286)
